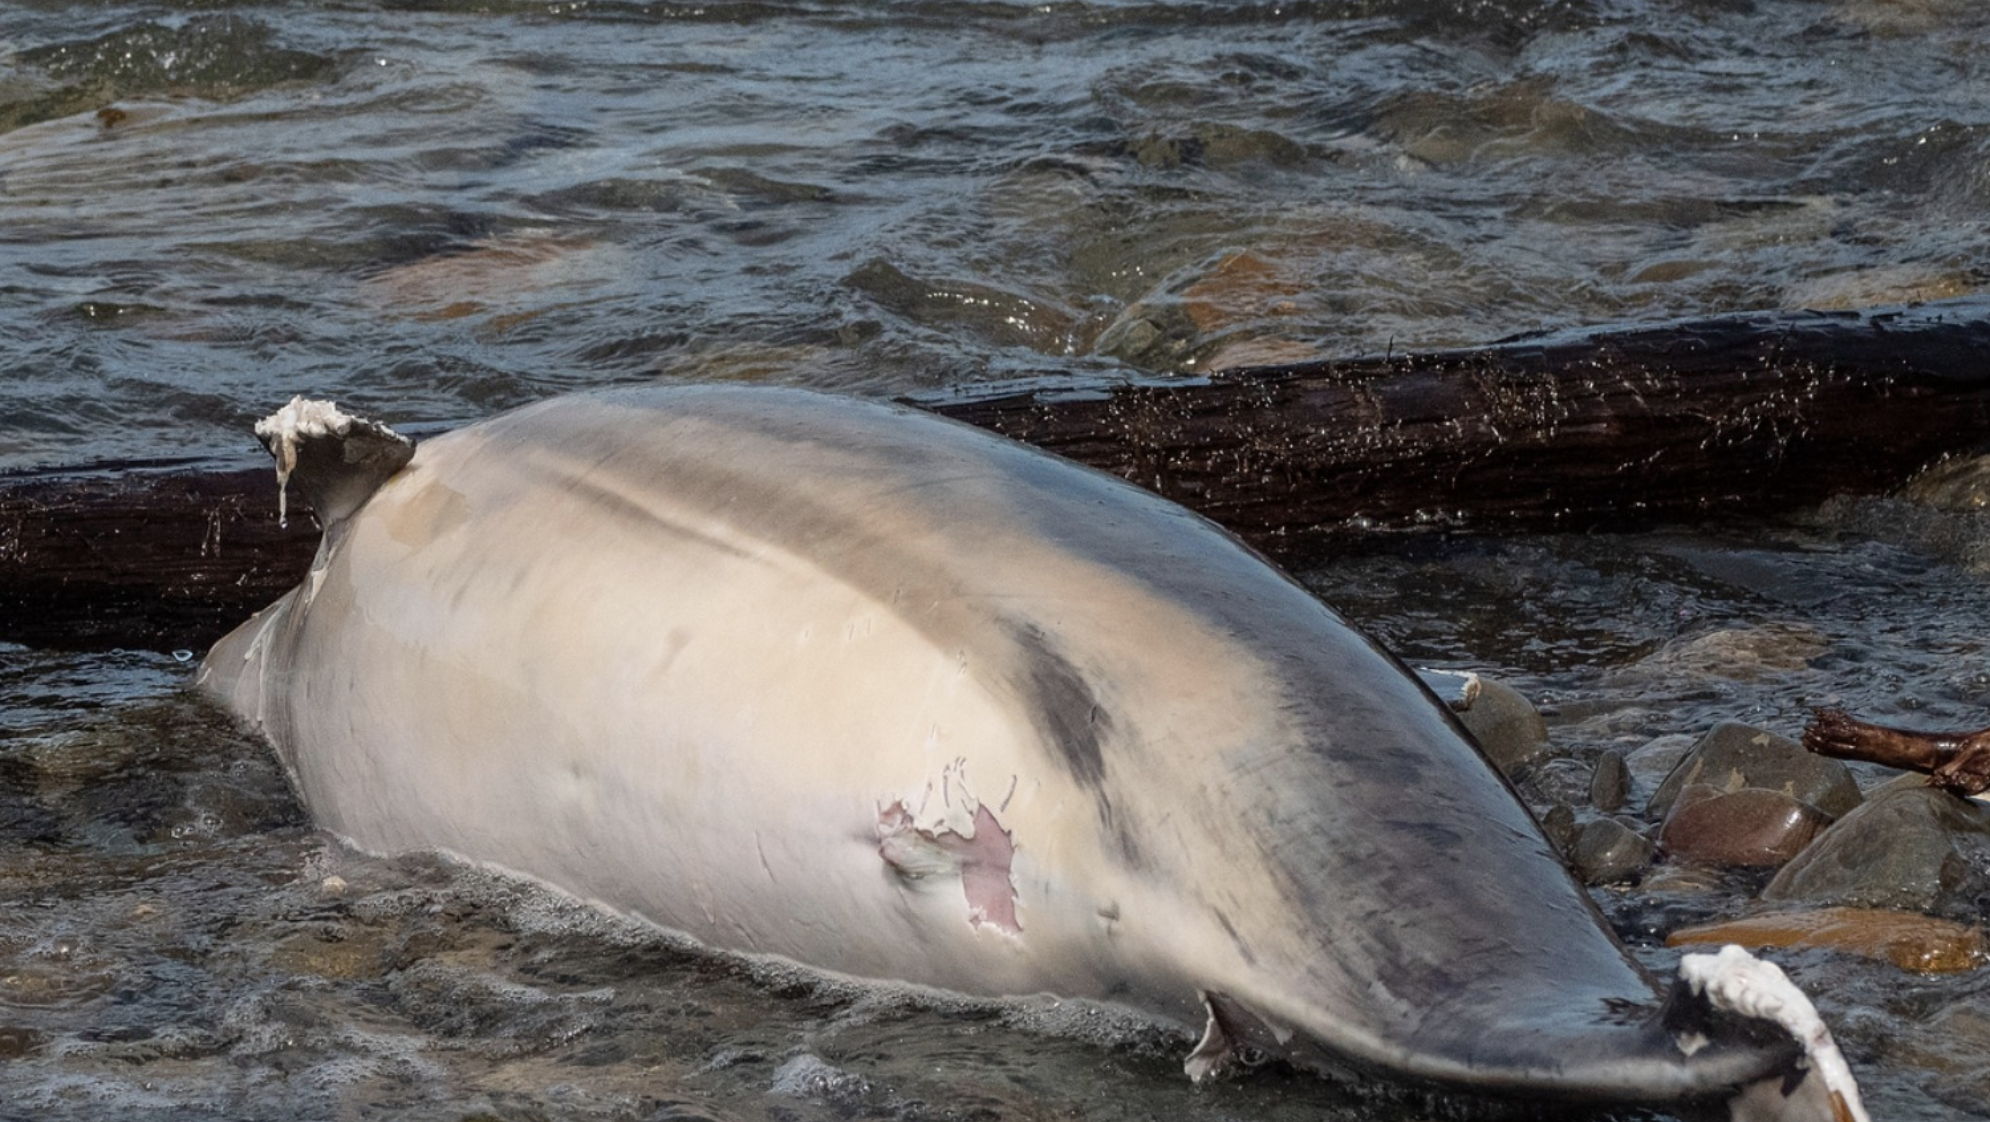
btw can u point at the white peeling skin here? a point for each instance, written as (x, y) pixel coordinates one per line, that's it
(282, 431)
(1738, 982)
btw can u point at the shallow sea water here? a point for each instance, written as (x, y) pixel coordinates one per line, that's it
(435, 211)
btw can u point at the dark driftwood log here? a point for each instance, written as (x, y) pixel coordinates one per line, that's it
(158, 556)
(1745, 413)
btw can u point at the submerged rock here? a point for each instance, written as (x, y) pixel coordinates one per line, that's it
(1750, 828)
(1909, 941)
(1743, 654)
(1732, 756)
(1869, 288)
(1684, 881)
(1914, 848)
(213, 56)
(1003, 317)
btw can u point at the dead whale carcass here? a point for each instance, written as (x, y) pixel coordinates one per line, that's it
(874, 692)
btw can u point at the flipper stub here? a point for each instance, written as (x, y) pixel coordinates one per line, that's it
(335, 459)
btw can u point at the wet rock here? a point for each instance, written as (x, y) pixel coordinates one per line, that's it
(168, 1042)
(748, 188)
(1213, 144)
(1868, 288)
(686, 1112)
(1608, 852)
(25, 819)
(1234, 353)
(1553, 782)
(1506, 725)
(1913, 848)
(1269, 302)
(506, 279)
(1696, 881)
(1005, 318)
(1239, 288)
(1750, 828)
(1909, 941)
(17, 1041)
(1651, 763)
(1952, 1048)
(1154, 333)
(1559, 824)
(1610, 784)
(1733, 755)
(215, 56)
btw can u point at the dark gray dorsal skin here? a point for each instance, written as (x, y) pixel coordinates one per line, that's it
(883, 695)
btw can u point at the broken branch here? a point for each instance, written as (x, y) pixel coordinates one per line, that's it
(1957, 762)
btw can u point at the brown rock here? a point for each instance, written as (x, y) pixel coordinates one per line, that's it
(1750, 828)
(1732, 756)
(1909, 941)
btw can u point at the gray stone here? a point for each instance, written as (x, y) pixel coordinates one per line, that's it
(1506, 725)
(1553, 781)
(1733, 755)
(1911, 848)
(1559, 824)
(1610, 785)
(1608, 852)
(1651, 763)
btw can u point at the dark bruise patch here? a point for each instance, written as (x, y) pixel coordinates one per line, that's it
(1063, 706)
